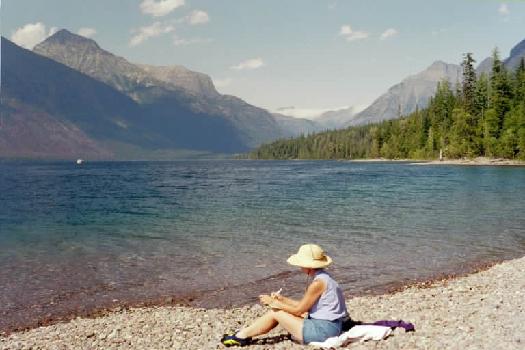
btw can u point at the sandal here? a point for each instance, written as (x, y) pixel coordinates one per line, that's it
(233, 340)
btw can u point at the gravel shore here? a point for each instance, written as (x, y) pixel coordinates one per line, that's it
(484, 310)
(476, 161)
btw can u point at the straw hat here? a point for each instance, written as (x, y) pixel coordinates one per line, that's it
(310, 256)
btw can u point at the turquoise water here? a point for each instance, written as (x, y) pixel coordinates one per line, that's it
(73, 238)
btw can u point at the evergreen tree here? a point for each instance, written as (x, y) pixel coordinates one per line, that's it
(501, 91)
(460, 136)
(486, 116)
(481, 95)
(430, 145)
(468, 86)
(519, 82)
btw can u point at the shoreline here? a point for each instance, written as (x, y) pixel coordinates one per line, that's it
(195, 299)
(479, 161)
(497, 281)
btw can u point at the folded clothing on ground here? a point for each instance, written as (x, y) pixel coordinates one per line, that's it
(357, 333)
(407, 326)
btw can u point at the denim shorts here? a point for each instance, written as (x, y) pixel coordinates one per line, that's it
(320, 330)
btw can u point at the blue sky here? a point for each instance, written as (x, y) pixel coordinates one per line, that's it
(307, 54)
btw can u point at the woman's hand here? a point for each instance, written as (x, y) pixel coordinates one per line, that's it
(265, 299)
(276, 295)
(269, 301)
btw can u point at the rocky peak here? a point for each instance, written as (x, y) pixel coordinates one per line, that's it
(86, 56)
(518, 50)
(485, 66)
(413, 92)
(64, 37)
(516, 54)
(196, 82)
(439, 65)
(75, 51)
(438, 71)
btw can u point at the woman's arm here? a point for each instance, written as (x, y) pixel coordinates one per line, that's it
(286, 300)
(313, 293)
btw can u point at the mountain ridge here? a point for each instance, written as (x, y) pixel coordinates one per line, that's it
(337, 118)
(400, 99)
(170, 86)
(380, 109)
(517, 53)
(35, 85)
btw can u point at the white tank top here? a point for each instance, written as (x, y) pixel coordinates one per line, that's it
(331, 304)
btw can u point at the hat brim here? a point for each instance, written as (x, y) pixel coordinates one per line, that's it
(300, 261)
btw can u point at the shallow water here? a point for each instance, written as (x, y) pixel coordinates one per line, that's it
(73, 238)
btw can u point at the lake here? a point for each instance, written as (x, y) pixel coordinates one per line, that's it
(217, 233)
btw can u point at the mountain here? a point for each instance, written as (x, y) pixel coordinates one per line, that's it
(86, 56)
(202, 85)
(412, 92)
(45, 100)
(33, 133)
(51, 110)
(485, 66)
(517, 53)
(336, 119)
(194, 82)
(169, 93)
(403, 98)
(297, 126)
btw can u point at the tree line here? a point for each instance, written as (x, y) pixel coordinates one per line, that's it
(481, 116)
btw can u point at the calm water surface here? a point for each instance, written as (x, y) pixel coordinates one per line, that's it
(73, 238)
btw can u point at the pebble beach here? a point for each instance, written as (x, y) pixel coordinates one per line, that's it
(483, 310)
(479, 161)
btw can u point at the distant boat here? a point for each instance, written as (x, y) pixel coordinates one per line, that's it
(79, 161)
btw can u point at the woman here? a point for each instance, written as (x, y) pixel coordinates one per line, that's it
(323, 300)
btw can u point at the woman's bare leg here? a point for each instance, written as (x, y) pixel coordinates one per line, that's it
(269, 320)
(262, 325)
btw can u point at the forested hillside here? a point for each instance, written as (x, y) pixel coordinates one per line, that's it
(482, 116)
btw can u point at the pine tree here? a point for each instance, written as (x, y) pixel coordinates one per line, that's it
(468, 86)
(486, 116)
(519, 82)
(376, 143)
(491, 132)
(430, 146)
(460, 138)
(520, 110)
(501, 91)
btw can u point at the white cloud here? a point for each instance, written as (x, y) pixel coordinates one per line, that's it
(87, 32)
(351, 35)
(144, 33)
(504, 10)
(253, 63)
(31, 34)
(390, 32)
(159, 8)
(177, 41)
(198, 17)
(53, 30)
(220, 83)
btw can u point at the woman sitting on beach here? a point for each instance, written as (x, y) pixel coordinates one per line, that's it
(323, 301)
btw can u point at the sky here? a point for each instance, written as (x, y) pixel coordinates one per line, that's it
(302, 57)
